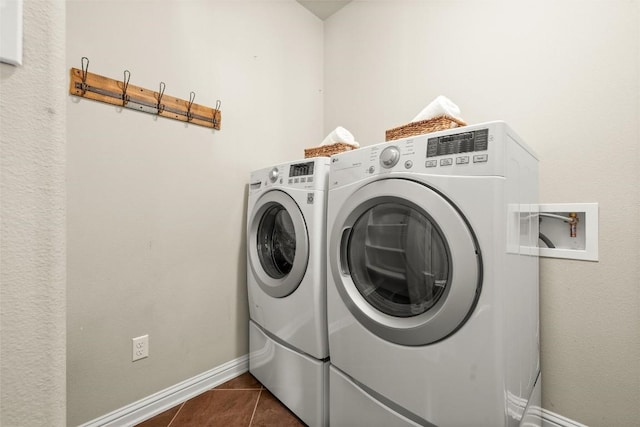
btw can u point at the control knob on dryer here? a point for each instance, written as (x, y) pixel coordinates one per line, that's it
(389, 157)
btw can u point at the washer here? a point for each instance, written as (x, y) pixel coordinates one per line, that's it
(286, 279)
(432, 283)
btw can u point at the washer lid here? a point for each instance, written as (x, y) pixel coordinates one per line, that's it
(278, 244)
(405, 262)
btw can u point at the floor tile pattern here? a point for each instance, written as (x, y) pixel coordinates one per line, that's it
(240, 402)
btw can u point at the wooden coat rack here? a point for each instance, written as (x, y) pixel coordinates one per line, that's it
(121, 93)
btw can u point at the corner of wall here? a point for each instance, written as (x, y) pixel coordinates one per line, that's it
(32, 239)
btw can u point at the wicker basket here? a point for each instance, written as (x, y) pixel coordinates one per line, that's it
(423, 126)
(327, 150)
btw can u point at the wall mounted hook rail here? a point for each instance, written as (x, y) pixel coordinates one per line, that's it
(122, 94)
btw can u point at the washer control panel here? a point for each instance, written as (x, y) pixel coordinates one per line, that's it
(301, 173)
(309, 174)
(476, 150)
(458, 143)
(459, 149)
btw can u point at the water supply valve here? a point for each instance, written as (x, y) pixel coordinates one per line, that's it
(573, 223)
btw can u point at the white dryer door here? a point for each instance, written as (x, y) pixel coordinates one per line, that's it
(405, 262)
(278, 244)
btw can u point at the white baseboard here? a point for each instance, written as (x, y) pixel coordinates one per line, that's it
(157, 403)
(551, 419)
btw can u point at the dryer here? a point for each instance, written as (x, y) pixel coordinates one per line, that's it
(432, 283)
(286, 282)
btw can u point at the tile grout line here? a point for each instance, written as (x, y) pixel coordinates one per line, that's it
(235, 389)
(176, 415)
(255, 407)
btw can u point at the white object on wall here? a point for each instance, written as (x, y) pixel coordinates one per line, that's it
(556, 226)
(11, 31)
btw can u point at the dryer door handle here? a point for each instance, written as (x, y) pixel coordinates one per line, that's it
(344, 246)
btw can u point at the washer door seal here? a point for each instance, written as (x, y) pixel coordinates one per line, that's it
(405, 262)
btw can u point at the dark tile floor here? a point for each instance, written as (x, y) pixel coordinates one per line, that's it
(242, 401)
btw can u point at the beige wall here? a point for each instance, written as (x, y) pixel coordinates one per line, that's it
(565, 75)
(156, 208)
(32, 215)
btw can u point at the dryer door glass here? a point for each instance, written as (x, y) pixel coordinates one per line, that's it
(404, 261)
(398, 260)
(276, 242)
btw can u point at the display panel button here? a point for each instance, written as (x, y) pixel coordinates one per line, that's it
(430, 163)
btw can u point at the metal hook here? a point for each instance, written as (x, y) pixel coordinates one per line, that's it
(85, 68)
(125, 85)
(215, 112)
(160, 95)
(192, 96)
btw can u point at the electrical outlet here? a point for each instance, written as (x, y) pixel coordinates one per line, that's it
(140, 347)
